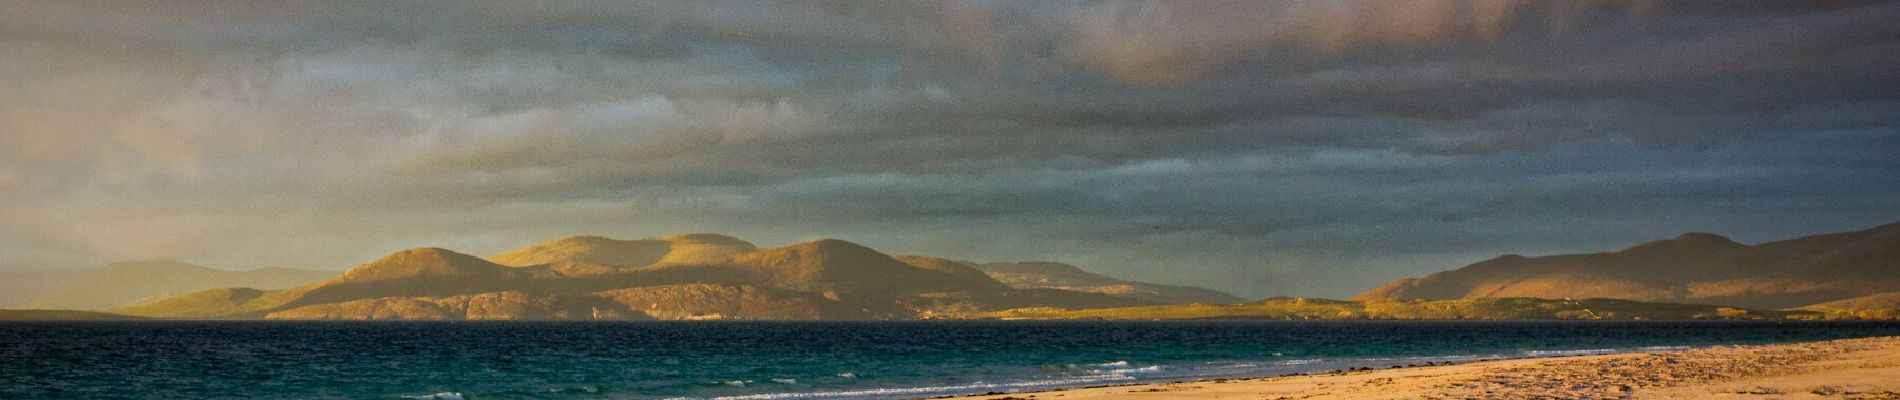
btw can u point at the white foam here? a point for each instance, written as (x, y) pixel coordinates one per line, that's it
(1559, 353)
(786, 381)
(1104, 373)
(437, 396)
(930, 390)
(1122, 367)
(1147, 369)
(1123, 371)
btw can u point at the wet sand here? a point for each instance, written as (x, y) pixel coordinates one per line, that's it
(1840, 369)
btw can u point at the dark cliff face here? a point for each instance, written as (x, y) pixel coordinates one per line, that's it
(1694, 267)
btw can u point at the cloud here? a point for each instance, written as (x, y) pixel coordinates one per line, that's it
(1154, 42)
(1231, 144)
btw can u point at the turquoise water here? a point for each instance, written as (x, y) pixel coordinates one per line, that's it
(506, 360)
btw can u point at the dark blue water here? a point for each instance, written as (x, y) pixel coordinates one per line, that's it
(768, 360)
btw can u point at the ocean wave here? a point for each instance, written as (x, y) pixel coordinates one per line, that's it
(1122, 367)
(1116, 372)
(1560, 353)
(1088, 367)
(1126, 372)
(437, 396)
(575, 389)
(932, 390)
(1664, 348)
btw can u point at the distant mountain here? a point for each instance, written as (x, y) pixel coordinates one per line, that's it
(20, 288)
(1693, 268)
(960, 270)
(844, 269)
(59, 315)
(119, 284)
(678, 277)
(680, 301)
(677, 249)
(1502, 308)
(213, 303)
(1053, 275)
(1873, 306)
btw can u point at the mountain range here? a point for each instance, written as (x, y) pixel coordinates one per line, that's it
(20, 287)
(1054, 275)
(695, 276)
(1511, 308)
(708, 276)
(120, 283)
(1873, 306)
(1692, 268)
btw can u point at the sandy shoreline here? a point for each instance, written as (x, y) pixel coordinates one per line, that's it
(1866, 368)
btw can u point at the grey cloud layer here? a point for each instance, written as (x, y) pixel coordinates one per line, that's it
(1306, 148)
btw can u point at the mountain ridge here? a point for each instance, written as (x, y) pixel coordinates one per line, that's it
(1055, 275)
(560, 279)
(1692, 267)
(1874, 306)
(127, 282)
(1491, 308)
(688, 248)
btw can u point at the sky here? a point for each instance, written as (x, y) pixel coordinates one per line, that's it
(1314, 148)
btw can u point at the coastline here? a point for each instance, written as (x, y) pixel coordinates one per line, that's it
(1864, 368)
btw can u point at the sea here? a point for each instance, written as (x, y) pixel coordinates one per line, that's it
(773, 360)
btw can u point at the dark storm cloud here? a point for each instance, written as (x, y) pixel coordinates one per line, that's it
(1238, 145)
